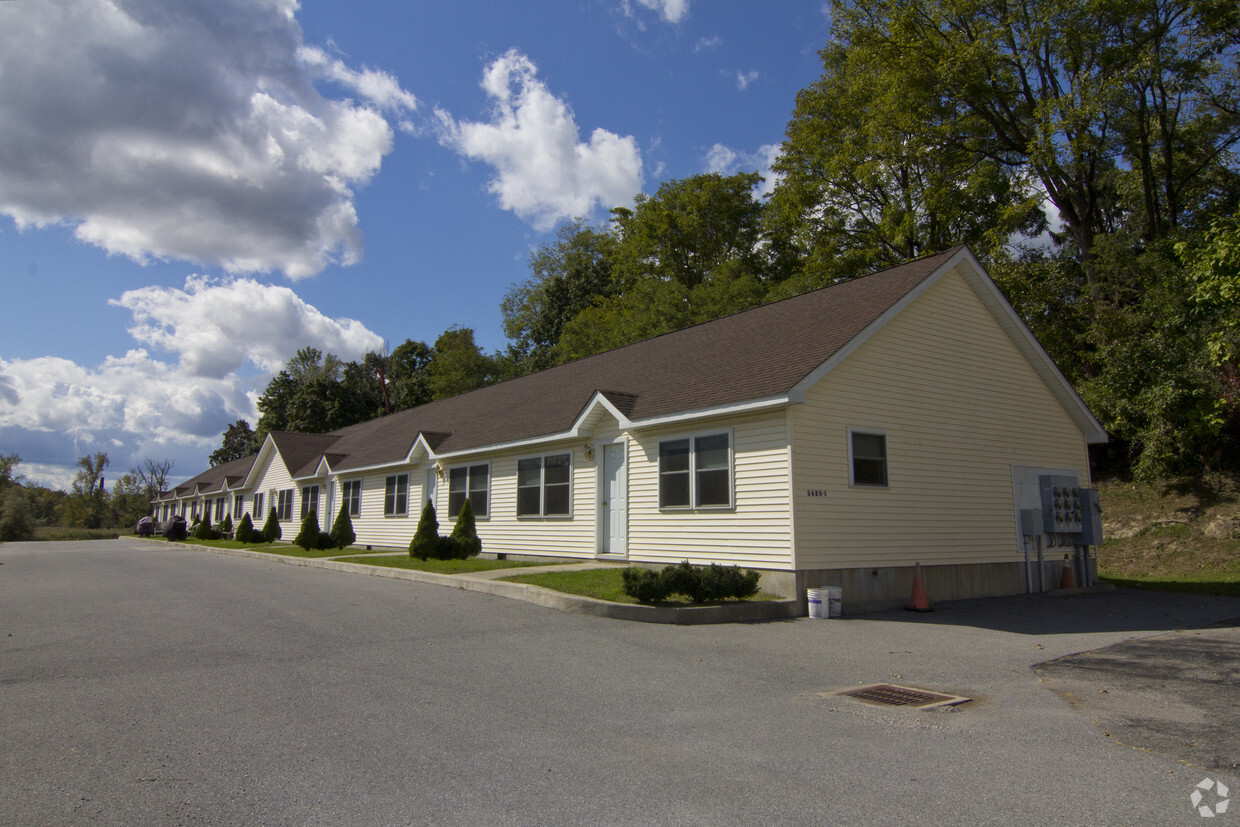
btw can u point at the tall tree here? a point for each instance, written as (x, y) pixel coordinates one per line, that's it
(238, 442)
(458, 365)
(87, 504)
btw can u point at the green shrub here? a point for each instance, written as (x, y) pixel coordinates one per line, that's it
(463, 541)
(308, 536)
(701, 584)
(342, 530)
(226, 527)
(425, 543)
(245, 532)
(204, 530)
(16, 520)
(271, 528)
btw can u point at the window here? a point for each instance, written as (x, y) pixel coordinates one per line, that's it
(868, 457)
(543, 486)
(258, 507)
(219, 508)
(472, 482)
(396, 496)
(310, 501)
(696, 472)
(352, 493)
(238, 505)
(284, 505)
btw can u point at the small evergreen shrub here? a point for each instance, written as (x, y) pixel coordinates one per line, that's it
(701, 584)
(204, 530)
(245, 532)
(226, 527)
(271, 528)
(463, 541)
(342, 530)
(326, 542)
(425, 543)
(308, 536)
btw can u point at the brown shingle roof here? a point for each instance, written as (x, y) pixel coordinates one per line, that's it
(757, 354)
(213, 478)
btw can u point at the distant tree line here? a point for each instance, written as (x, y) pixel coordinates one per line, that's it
(934, 123)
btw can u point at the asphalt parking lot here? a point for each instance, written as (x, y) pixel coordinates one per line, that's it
(149, 685)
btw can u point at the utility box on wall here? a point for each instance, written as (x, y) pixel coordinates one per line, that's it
(1062, 505)
(1091, 524)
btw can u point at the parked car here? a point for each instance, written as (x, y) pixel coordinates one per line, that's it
(145, 527)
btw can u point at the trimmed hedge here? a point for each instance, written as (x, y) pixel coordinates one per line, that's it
(701, 584)
(271, 528)
(425, 542)
(342, 530)
(245, 532)
(308, 536)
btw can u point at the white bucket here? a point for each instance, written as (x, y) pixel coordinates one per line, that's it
(817, 599)
(833, 600)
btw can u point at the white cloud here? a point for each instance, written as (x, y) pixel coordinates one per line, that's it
(187, 129)
(743, 79)
(53, 410)
(544, 172)
(705, 43)
(215, 327)
(673, 11)
(727, 161)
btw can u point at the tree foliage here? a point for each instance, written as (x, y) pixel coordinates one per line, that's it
(239, 441)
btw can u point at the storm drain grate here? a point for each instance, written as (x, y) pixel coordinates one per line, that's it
(887, 694)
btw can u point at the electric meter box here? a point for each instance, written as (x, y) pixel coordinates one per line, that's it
(1091, 526)
(1063, 507)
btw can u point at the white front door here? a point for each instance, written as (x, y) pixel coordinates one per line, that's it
(613, 505)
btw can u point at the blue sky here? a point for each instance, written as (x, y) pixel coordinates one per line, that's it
(190, 191)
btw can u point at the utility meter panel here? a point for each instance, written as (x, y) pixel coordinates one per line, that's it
(1091, 528)
(1063, 507)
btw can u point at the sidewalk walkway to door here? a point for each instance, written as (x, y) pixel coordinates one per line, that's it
(488, 582)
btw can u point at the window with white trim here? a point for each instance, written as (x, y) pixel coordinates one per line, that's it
(543, 485)
(258, 507)
(472, 482)
(351, 491)
(309, 500)
(396, 496)
(284, 505)
(696, 472)
(219, 508)
(238, 505)
(867, 457)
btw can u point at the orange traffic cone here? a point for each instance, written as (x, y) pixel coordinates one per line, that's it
(918, 602)
(1067, 580)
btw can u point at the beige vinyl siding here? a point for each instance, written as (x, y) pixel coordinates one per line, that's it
(960, 405)
(370, 526)
(757, 531)
(275, 477)
(503, 532)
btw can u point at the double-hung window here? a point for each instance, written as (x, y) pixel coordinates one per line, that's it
(219, 508)
(351, 491)
(867, 452)
(284, 505)
(238, 505)
(543, 486)
(469, 482)
(696, 472)
(309, 500)
(258, 507)
(396, 496)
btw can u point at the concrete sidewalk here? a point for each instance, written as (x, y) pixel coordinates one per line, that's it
(490, 582)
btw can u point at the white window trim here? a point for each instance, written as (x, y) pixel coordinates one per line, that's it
(318, 493)
(852, 468)
(292, 509)
(542, 487)
(395, 513)
(490, 496)
(693, 472)
(344, 497)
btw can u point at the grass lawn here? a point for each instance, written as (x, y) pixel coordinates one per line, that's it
(404, 561)
(1172, 536)
(605, 584)
(62, 533)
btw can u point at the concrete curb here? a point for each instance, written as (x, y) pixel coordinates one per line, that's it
(572, 604)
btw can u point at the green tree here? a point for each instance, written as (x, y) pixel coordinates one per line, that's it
(567, 276)
(405, 374)
(425, 542)
(458, 365)
(239, 441)
(245, 530)
(87, 503)
(130, 501)
(464, 540)
(8, 471)
(308, 536)
(16, 518)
